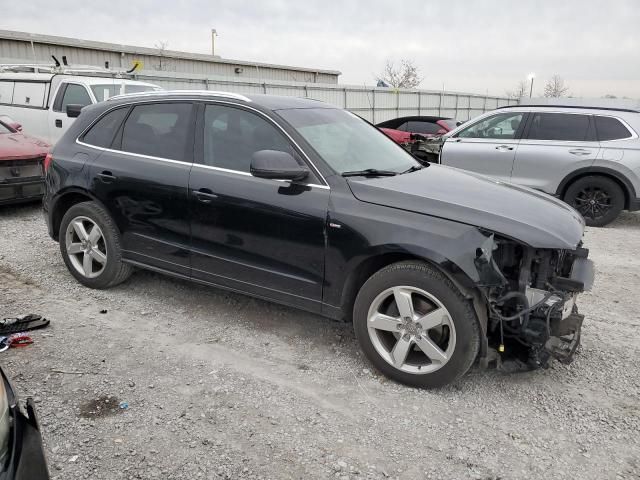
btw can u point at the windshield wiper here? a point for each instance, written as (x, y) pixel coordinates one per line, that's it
(413, 168)
(369, 172)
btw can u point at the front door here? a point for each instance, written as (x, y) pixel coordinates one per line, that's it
(67, 94)
(142, 179)
(487, 147)
(264, 237)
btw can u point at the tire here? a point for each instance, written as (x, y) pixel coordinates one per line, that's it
(598, 199)
(447, 317)
(105, 268)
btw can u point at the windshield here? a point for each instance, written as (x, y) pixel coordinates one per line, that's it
(346, 142)
(104, 92)
(450, 123)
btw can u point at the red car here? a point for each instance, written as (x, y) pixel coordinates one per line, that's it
(21, 163)
(400, 129)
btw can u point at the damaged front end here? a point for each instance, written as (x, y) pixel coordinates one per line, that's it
(530, 295)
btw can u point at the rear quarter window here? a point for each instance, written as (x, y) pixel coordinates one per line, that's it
(104, 130)
(610, 128)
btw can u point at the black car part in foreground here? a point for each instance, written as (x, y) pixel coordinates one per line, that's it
(21, 453)
(304, 204)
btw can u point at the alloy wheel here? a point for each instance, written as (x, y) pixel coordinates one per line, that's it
(86, 247)
(593, 202)
(411, 330)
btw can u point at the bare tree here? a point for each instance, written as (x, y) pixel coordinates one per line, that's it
(520, 91)
(405, 75)
(161, 46)
(555, 87)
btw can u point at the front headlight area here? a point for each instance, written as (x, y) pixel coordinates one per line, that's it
(532, 312)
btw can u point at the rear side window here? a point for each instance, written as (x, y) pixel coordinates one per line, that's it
(610, 128)
(424, 127)
(158, 130)
(559, 126)
(104, 131)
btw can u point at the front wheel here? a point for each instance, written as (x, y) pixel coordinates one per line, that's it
(415, 326)
(598, 199)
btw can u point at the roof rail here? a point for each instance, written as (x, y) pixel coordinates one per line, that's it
(584, 107)
(210, 93)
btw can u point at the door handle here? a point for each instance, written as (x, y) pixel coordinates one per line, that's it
(204, 195)
(107, 177)
(504, 147)
(58, 123)
(580, 151)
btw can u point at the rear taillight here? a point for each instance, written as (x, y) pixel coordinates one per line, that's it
(47, 162)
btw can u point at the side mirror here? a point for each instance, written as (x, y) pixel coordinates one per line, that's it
(276, 165)
(73, 111)
(16, 126)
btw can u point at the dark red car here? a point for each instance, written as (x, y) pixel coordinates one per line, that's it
(21, 163)
(400, 129)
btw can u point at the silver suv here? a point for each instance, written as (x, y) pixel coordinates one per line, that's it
(589, 157)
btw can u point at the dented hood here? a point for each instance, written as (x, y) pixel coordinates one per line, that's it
(532, 217)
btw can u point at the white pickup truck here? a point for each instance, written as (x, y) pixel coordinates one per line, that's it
(38, 101)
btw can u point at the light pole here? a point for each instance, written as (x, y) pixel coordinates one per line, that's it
(531, 76)
(213, 41)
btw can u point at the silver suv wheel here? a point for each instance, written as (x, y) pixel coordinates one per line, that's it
(86, 247)
(411, 330)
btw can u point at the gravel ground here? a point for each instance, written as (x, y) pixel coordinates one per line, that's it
(220, 385)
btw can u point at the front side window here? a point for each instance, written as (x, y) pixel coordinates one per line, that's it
(5, 129)
(158, 130)
(559, 126)
(502, 126)
(610, 128)
(232, 136)
(104, 131)
(346, 142)
(75, 95)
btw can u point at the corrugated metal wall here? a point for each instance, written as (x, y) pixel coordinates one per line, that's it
(19, 51)
(371, 103)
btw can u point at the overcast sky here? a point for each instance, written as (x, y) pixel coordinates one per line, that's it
(471, 45)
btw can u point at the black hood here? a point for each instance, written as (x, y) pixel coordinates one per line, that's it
(521, 213)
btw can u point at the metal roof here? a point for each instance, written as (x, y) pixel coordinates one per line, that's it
(135, 50)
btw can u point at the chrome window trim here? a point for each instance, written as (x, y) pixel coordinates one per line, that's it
(215, 102)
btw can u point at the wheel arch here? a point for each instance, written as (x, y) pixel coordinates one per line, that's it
(624, 183)
(63, 202)
(378, 260)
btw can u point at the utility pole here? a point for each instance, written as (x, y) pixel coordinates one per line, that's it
(531, 77)
(213, 41)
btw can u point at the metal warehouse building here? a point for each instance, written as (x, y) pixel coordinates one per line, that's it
(22, 47)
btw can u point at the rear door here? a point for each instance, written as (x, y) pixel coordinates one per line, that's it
(68, 93)
(142, 179)
(554, 145)
(488, 146)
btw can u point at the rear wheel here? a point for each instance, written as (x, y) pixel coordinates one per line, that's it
(598, 199)
(91, 248)
(415, 326)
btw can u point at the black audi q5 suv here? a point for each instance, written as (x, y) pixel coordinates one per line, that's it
(301, 203)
